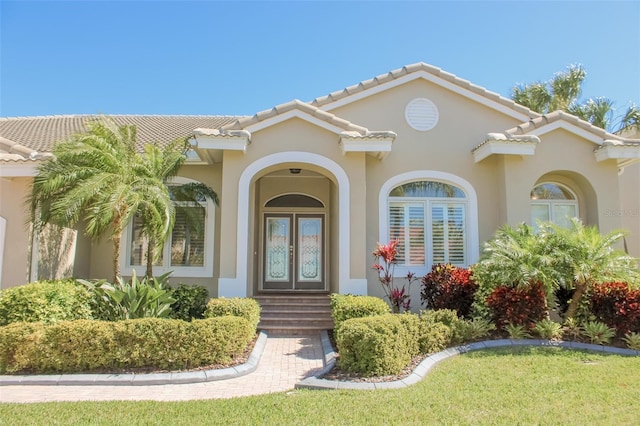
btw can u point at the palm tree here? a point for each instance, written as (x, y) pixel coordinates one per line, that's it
(592, 259)
(99, 178)
(520, 257)
(562, 93)
(559, 93)
(164, 164)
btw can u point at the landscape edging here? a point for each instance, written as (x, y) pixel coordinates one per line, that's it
(144, 379)
(316, 382)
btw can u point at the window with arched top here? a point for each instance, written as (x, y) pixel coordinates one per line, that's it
(553, 202)
(428, 218)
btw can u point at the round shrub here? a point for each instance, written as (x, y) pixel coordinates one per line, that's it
(425, 336)
(348, 306)
(448, 318)
(87, 345)
(518, 306)
(449, 287)
(191, 302)
(246, 308)
(617, 305)
(46, 301)
(374, 346)
(433, 337)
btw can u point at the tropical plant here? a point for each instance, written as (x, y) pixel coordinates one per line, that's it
(514, 305)
(191, 302)
(598, 332)
(632, 340)
(477, 328)
(99, 179)
(562, 93)
(146, 298)
(520, 257)
(548, 329)
(590, 258)
(384, 263)
(572, 328)
(163, 164)
(617, 305)
(517, 331)
(448, 287)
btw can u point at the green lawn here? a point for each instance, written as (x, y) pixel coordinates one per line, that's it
(522, 385)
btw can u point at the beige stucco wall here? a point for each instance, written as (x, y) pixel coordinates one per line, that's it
(293, 134)
(629, 210)
(462, 125)
(15, 269)
(502, 182)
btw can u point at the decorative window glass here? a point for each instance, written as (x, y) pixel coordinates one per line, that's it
(428, 218)
(552, 202)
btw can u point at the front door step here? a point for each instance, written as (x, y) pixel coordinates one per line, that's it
(294, 314)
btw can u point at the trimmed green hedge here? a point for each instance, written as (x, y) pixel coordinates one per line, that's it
(246, 308)
(46, 301)
(374, 346)
(87, 345)
(384, 344)
(348, 306)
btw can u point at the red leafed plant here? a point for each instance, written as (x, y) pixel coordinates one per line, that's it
(617, 305)
(399, 296)
(449, 287)
(518, 306)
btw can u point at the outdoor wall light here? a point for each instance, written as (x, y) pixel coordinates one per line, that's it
(295, 171)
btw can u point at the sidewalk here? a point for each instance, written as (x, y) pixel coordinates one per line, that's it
(285, 361)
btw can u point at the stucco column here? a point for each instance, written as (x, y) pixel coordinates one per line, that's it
(358, 231)
(229, 284)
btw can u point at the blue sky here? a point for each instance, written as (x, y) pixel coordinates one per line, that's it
(237, 58)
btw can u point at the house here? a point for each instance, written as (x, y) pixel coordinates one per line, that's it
(307, 189)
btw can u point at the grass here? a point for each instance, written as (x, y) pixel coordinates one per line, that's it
(521, 385)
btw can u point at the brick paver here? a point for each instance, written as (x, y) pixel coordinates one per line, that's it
(285, 361)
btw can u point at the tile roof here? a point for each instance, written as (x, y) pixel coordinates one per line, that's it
(40, 133)
(415, 68)
(295, 104)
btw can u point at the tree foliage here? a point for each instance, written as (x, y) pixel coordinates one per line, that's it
(100, 179)
(573, 258)
(563, 92)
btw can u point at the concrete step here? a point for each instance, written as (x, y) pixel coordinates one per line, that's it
(294, 313)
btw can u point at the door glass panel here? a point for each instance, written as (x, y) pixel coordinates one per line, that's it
(309, 249)
(277, 249)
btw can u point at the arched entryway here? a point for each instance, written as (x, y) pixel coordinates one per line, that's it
(294, 230)
(249, 223)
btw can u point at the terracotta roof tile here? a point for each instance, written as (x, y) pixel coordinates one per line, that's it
(420, 67)
(40, 133)
(295, 104)
(538, 122)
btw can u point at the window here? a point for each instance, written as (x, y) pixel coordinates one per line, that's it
(428, 218)
(553, 202)
(189, 249)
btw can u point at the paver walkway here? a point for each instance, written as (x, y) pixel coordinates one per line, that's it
(285, 361)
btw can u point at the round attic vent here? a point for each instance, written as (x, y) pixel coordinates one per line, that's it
(421, 114)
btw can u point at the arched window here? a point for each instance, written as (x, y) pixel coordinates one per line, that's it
(553, 202)
(429, 220)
